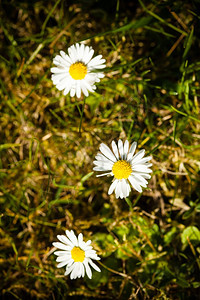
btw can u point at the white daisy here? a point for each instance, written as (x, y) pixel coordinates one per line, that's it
(76, 254)
(77, 71)
(126, 167)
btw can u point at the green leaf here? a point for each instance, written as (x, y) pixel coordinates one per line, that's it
(15, 250)
(184, 114)
(182, 282)
(198, 207)
(132, 25)
(122, 231)
(188, 43)
(196, 284)
(169, 236)
(86, 177)
(192, 233)
(93, 101)
(29, 258)
(188, 214)
(6, 146)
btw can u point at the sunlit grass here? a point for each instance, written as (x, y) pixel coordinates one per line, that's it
(149, 249)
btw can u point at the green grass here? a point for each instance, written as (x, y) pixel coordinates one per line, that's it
(150, 247)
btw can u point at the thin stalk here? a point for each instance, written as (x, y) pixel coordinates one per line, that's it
(81, 115)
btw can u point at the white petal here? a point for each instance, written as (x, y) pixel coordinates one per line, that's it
(107, 152)
(85, 91)
(80, 239)
(125, 189)
(104, 164)
(93, 256)
(87, 85)
(83, 270)
(60, 246)
(61, 264)
(57, 77)
(90, 252)
(99, 66)
(101, 169)
(81, 51)
(65, 258)
(89, 56)
(104, 174)
(147, 176)
(121, 149)
(88, 242)
(83, 88)
(78, 91)
(118, 189)
(95, 60)
(72, 53)
(60, 253)
(141, 179)
(65, 240)
(86, 52)
(91, 78)
(143, 160)
(115, 149)
(72, 92)
(84, 245)
(65, 57)
(80, 271)
(101, 157)
(67, 88)
(94, 265)
(69, 269)
(132, 150)
(112, 187)
(148, 165)
(126, 147)
(141, 168)
(74, 273)
(76, 47)
(62, 84)
(58, 70)
(72, 237)
(138, 156)
(60, 62)
(97, 63)
(135, 184)
(100, 75)
(87, 268)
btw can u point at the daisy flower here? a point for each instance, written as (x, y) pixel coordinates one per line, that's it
(76, 255)
(77, 70)
(127, 168)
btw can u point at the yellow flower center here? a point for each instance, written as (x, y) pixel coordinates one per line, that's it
(121, 169)
(78, 70)
(77, 254)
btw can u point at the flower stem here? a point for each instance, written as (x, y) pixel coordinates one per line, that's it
(129, 203)
(116, 272)
(81, 115)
